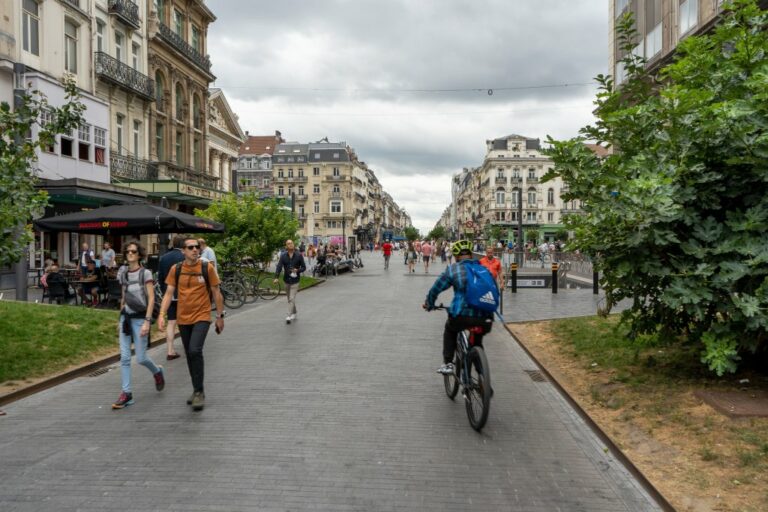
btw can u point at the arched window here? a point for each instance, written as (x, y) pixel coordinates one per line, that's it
(551, 196)
(531, 196)
(179, 102)
(196, 117)
(515, 196)
(499, 196)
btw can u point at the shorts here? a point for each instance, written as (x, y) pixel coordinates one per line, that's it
(426, 259)
(172, 311)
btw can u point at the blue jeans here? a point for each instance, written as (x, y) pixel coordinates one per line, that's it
(140, 344)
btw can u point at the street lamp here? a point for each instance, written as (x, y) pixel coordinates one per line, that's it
(343, 234)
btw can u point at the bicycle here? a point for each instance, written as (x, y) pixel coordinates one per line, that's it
(233, 293)
(473, 374)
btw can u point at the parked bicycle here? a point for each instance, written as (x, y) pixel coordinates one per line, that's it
(473, 375)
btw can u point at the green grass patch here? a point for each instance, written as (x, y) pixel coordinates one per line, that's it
(40, 339)
(307, 281)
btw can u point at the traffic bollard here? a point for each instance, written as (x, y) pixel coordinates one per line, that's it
(513, 273)
(595, 283)
(554, 278)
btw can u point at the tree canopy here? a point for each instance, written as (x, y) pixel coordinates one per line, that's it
(19, 200)
(677, 214)
(255, 229)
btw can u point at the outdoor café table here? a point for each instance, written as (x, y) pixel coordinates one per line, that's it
(77, 284)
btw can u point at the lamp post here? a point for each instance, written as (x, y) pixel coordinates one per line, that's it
(343, 234)
(21, 267)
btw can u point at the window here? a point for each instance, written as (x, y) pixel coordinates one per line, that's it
(179, 102)
(515, 195)
(336, 171)
(550, 217)
(159, 142)
(159, 92)
(196, 119)
(100, 143)
(532, 173)
(551, 196)
(179, 148)
(336, 189)
(119, 135)
(280, 191)
(301, 211)
(315, 171)
(70, 47)
(280, 173)
(196, 154)
(653, 28)
(119, 46)
(620, 6)
(531, 196)
(531, 216)
(516, 172)
(317, 156)
(335, 206)
(290, 173)
(653, 42)
(265, 182)
(689, 15)
(301, 190)
(316, 207)
(500, 173)
(46, 118)
(66, 146)
(136, 56)
(500, 197)
(30, 20)
(84, 142)
(99, 36)
(160, 8)
(513, 216)
(136, 139)
(315, 188)
(196, 39)
(332, 224)
(301, 173)
(178, 23)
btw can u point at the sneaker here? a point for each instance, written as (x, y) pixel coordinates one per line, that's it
(446, 369)
(159, 380)
(189, 400)
(198, 401)
(123, 401)
(293, 316)
(288, 319)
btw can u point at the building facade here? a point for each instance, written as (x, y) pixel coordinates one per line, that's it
(224, 140)
(254, 164)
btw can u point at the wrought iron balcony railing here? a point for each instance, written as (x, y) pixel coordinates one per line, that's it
(529, 179)
(112, 70)
(189, 175)
(336, 178)
(124, 167)
(127, 11)
(183, 47)
(301, 197)
(501, 181)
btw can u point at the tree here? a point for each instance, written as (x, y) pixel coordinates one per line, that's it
(437, 233)
(255, 229)
(411, 233)
(678, 214)
(532, 235)
(494, 233)
(19, 201)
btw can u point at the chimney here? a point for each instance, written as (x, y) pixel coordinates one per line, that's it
(246, 133)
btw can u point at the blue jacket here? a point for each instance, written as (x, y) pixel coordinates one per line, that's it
(455, 276)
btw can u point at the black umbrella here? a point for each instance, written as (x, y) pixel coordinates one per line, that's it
(125, 219)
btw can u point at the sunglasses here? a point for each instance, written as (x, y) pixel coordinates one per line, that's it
(132, 251)
(192, 247)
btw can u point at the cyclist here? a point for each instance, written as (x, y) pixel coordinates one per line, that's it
(460, 315)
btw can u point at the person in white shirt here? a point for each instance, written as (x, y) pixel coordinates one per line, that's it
(108, 256)
(206, 252)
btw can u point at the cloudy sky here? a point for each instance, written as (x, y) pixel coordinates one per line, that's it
(406, 82)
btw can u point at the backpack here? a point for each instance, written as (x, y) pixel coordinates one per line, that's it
(481, 292)
(177, 267)
(124, 283)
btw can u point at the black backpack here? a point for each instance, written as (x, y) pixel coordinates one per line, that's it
(177, 270)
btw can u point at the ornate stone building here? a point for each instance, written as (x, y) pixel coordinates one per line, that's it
(254, 165)
(224, 140)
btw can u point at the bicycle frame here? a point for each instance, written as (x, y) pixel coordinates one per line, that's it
(464, 343)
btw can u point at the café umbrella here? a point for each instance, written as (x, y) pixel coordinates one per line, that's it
(126, 219)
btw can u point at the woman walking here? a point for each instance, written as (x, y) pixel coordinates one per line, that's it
(136, 306)
(411, 255)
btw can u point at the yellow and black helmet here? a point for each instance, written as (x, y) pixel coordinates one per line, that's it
(462, 246)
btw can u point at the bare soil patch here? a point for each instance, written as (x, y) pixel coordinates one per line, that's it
(699, 459)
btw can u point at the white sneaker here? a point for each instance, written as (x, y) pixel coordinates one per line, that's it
(446, 369)
(288, 319)
(293, 316)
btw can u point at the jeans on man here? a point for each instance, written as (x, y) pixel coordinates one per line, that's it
(290, 291)
(140, 343)
(193, 339)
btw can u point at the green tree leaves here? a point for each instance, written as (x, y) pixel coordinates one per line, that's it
(678, 215)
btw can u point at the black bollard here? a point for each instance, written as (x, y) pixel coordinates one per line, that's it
(554, 278)
(513, 273)
(595, 283)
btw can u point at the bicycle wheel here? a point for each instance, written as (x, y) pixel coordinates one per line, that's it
(451, 382)
(478, 390)
(234, 294)
(249, 282)
(267, 287)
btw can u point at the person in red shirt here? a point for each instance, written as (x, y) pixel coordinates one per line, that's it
(493, 264)
(386, 248)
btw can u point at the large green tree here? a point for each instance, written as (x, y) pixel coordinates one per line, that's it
(254, 229)
(678, 214)
(437, 233)
(19, 200)
(411, 233)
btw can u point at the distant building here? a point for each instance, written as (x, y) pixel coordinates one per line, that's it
(254, 164)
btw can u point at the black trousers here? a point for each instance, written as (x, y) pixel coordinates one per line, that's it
(456, 324)
(193, 339)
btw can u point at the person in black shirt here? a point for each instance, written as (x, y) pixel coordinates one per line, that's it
(292, 263)
(169, 259)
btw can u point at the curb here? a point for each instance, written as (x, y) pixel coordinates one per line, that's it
(615, 450)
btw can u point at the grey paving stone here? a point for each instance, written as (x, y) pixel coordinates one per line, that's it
(339, 411)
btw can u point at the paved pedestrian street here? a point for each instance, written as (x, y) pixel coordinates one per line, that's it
(340, 411)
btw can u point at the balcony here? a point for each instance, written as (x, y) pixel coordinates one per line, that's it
(112, 70)
(301, 179)
(301, 197)
(501, 181)
(184, 48)
(124, 167)
(126, 11)
(530, 179)
(515, 180)
(336, 178)
(186, 174)
(335, 195)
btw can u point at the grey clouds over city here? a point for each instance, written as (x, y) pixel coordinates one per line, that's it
(406, 82)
